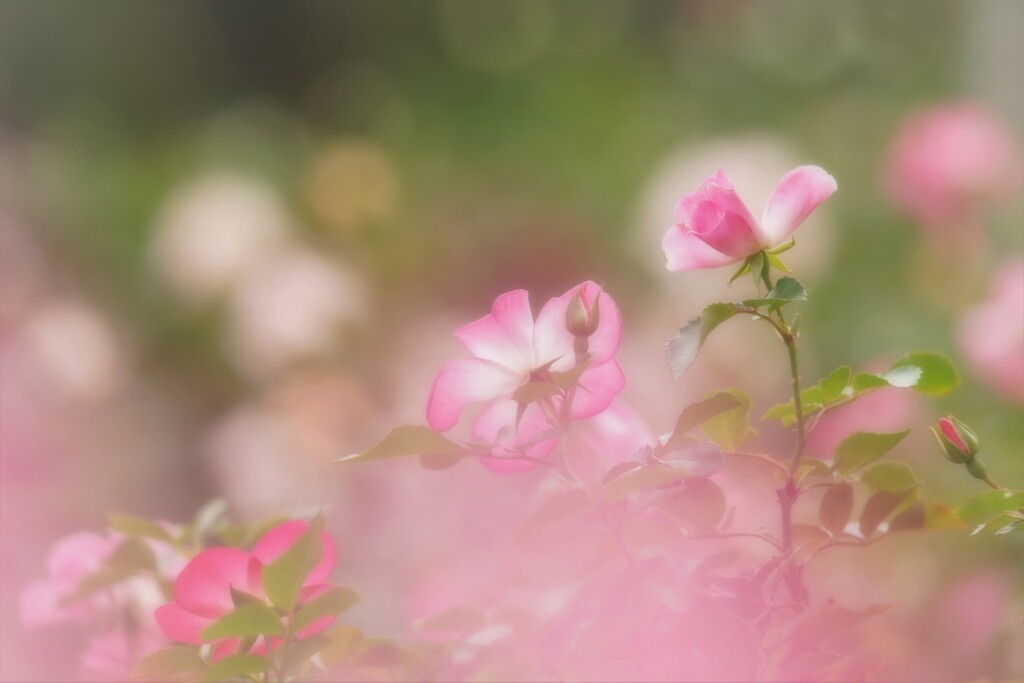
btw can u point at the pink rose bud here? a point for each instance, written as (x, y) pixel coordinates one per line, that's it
(582, 317)
(958, 441)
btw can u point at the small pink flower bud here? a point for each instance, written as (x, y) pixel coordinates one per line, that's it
(958, 442)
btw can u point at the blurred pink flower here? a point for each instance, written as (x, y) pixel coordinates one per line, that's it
(715, 228)
(888, 409)
(69, 561)
(991, 335)
(947, 160)
(204, 590)
(511, 349)
(114, 653)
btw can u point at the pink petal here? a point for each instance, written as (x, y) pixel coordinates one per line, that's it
(204, 585)
(496, 425)
(949, 430)
(311, 592)
(504, 335)
(466, 380)
(179, 625)
(39, 604)
(78, 555)
(552, 340)
(686, 251)
(597, 388)
(278, 540)
(718, 216)
(795, 197)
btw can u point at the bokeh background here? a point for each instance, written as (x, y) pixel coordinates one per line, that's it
(235, 237)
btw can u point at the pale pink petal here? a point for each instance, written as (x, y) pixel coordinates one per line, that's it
(179, 625)
(78, 555)
(597, 388)
(496, 425)
(204, 585)
(686, 251)
(278, 540)
(552, 340)
(463, 381)
(504, 335)
(798, 193)
(718, 216)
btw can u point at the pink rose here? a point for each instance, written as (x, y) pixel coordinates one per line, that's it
(715, 228)
(510, 349)
(203, 590)
(945, 161)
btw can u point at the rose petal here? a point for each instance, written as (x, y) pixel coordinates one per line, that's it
(496, 425)
(553, 341)
(598, 386)
(204, 585)
(466, 380)
(798, 193)
(179, 625)
(504, 335)
(686, 251)
(278, 540)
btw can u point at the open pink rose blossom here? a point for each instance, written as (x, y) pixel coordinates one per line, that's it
(203, 591)
(714, 227)
(510, 348)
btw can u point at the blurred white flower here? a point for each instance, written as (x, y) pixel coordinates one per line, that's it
(211, 231)
(74, 345)
(289, 308)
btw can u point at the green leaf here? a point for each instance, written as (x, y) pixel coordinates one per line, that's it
(283, 578)
(938, 375)
(346, 644)
(130, 558)
(833, 384)
(682, 349)
(862, 448)
(406, 440)
(696, 414)
(442, 461)
(836, 507)
(693, 458)
(926, 514)
(251, 619)
(237, 666)
(303, 650)
(990, 504)
(171, 663)
(700, 501)
(881, 505)
(785, 290)
(864, 382)
(139, 526)
(645, 478)
(889, 476)
(730, 428)
(331, 603)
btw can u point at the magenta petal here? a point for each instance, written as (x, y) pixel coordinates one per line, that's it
(204, 585)
(597, 388)
(686, 251)
(278, 540)
(798, 193)
(504, 335)
(179, 625)
(466, 380)
(496, 425)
